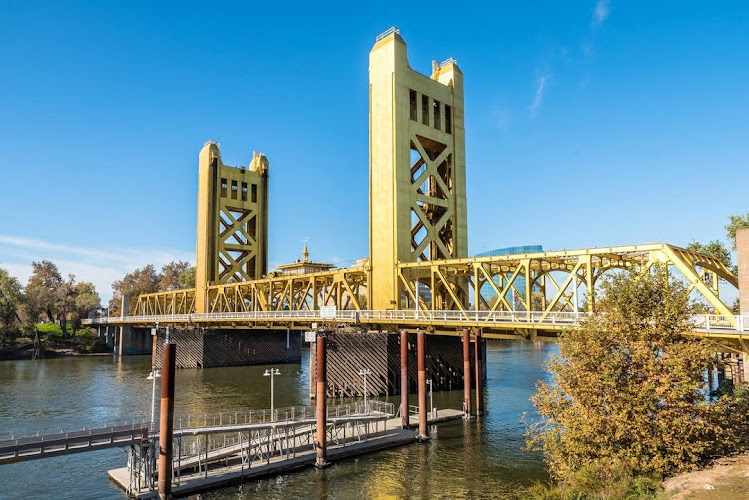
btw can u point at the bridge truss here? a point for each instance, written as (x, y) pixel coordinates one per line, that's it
(542, 282)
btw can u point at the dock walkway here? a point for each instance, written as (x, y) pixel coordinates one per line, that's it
(231, 465)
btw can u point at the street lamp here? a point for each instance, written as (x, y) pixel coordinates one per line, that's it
(152, 377)
(431, 406)
(364, 372)
(271, 373)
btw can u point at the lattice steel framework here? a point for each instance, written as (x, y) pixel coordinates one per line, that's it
(551, 281)
(232, 243)
(417, 165)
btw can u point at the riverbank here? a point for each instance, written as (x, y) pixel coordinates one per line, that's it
(726, 479)
(52, 344)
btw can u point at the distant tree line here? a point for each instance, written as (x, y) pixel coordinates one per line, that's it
(49, 296)
(175, 275)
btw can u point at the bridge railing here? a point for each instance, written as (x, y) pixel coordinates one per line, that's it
(703, 322)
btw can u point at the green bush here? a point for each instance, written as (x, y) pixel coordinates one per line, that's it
(594, 483)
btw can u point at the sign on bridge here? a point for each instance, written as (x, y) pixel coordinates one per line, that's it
(328, 312)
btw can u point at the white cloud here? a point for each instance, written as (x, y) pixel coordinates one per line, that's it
(538, 98)
(101, 266)
(601, 11)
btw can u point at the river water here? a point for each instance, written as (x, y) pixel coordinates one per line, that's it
(465, 459)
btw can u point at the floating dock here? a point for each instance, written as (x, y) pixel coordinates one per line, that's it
(194, 477)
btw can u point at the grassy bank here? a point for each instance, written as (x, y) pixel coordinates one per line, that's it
(53, 343)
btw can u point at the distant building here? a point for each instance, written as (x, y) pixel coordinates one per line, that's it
(303, 266)
(511, 250)
(488, 292)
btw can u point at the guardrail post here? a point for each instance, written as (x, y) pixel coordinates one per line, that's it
(404, 379)
(321, 437)
(421, 355)
(166, 430)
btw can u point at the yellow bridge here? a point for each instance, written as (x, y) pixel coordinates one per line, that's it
(418, 274)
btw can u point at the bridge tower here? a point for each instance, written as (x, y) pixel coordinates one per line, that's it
(417, 171)
(232, 239)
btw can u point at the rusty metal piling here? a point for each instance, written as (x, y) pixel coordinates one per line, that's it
(404, 379)
(166, 424)
(477, 350)
(421, 363)
(321, 400)
(467, 372)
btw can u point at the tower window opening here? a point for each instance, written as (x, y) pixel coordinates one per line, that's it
(448, 119)
(437, 118)
(412, 104)
(223, 188)
(244, 191)
(233, 190)
(254, 193)
(425, 110)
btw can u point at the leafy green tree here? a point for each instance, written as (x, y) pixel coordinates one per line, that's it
(628, 389)
(86, 299)
(187, 278)
(143, 280)
(169, 279)
(43, 289)
(12, 302)
(736, 222)
(715, 248)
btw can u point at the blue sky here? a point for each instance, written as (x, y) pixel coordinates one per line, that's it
(588, 123)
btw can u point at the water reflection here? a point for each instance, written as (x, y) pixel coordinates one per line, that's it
(465, 459)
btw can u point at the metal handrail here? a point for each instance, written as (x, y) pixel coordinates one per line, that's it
(707, 322)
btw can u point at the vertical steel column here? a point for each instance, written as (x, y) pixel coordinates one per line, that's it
(467, 372)
(478, 362)
(404, 379)
(321, 400)
(421, 354)
(166, 427)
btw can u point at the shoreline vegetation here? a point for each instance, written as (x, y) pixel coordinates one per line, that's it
(53, 344)
(628, 408)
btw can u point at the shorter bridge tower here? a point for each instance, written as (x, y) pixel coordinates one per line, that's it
(232, 239)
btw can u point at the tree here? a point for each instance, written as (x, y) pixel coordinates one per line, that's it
(169, 279)
(187, 278)
(86, 300)
(65, 303)
(12, 301)
(143, 280)
(628, 387)
(736, 222)
(42, 290)
(715, 248)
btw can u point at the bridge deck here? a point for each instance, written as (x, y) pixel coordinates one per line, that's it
(498, 324)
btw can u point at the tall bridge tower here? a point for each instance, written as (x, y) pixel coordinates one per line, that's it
(417, 172)
(232, 243)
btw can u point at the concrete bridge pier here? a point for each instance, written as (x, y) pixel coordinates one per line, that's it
(741, 370)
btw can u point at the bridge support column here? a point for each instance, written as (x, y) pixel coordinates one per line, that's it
(404, 379)
(478, 365)
(422, 377)
(166, 424)
(321, 409)
(467, 372)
